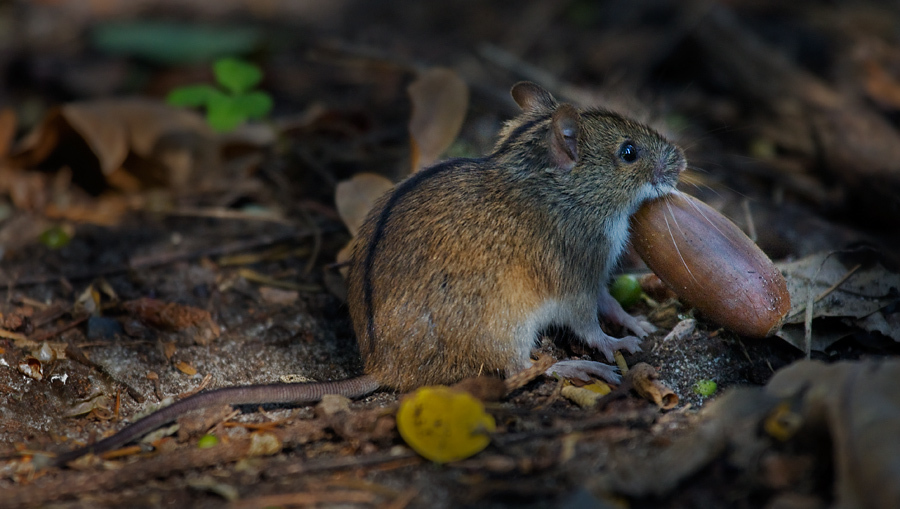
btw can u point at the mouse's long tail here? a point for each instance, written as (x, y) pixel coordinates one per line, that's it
(245, 395)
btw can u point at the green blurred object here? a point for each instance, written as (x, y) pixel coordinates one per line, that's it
(626, 289)
(226, 109)
(237, 76)
(705, 388)
(207, 442)
(192, 95)
(55, 237)
(174, 43)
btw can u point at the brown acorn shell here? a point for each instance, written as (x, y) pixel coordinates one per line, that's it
(711, 264)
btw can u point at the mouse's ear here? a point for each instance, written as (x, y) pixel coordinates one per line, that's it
(564, 137)
(532, 97)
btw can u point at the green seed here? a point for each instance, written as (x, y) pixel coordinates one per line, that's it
(207, 442)
(705, 388)
(626, 289)
(55, 237)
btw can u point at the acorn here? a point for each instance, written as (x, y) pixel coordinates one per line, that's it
(711, 264)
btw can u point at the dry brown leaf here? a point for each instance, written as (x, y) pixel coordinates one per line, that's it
(439, 101)
(343, 260)
(278, 296)
(55, 197)
(585, 398)
(646, 383)
(106, 210)
(355, 197)
(114, 129)
(27, 190)
(8, 334)
(18, 319)
(186, 368)
(837, 285)
(96, 402)
(8, 123)
(168, 349)
(168, 315)
(881, 86)
(16, 336)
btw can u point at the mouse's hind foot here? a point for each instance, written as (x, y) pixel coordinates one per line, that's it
(584, 370)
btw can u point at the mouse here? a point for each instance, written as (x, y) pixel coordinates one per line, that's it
(458, 269)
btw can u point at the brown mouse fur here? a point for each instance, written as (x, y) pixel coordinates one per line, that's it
(457, 269)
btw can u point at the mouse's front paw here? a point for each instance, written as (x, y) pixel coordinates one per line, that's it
(608, 345)
(631, 344)
(583, 370)
(640, 328)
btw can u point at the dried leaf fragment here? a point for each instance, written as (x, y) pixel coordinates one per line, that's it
(439, 102)
(583, 396)
(170, 316)
(8, 123)
(112, 128)
(645, 381)
(835, 284)
(355, 197)
(186, 368)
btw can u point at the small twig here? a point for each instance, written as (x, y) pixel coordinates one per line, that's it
(317, 244)
(28, 301)
(256, 277)
(75, 353)
(155, 260)
(644, 417)
(118, 403)
(524, 377)
(15, 336)
(748, 216)
(807, 322)
(50, 314)
(223, 213)
(837, 284)
(49, 334)
(808, 307)
(203, 384)
(325, 464)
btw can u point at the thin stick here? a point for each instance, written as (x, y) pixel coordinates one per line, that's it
(49, 334)
(751, 225)
(75, 353)
(837, 284)
(223, 213)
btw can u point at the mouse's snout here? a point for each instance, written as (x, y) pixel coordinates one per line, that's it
(668, 167)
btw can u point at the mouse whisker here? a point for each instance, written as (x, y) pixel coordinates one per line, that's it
(708, 220)
(674, 242)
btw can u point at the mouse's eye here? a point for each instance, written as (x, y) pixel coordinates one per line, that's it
(628, 152)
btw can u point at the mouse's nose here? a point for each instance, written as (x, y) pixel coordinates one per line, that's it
(669, 167)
